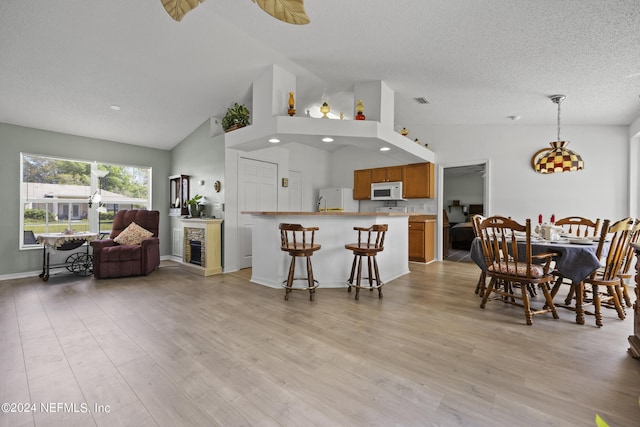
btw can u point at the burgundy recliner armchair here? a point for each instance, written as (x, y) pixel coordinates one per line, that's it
(111, 259)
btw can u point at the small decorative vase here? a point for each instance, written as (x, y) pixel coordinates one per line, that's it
(360, 110)
(324, 109)
(291, 111)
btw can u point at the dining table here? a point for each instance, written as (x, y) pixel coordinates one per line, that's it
(574, 261)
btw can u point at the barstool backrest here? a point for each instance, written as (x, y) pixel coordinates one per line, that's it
(375, 235)
(295, 236)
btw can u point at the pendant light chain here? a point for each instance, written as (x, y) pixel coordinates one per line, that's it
(559, 101)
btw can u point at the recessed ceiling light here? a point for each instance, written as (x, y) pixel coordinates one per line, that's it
(327, 139)
(274, 140)
(115, 107)
(385, 149)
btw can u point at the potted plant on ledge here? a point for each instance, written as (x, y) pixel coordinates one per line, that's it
(236, 117)
(195, 208)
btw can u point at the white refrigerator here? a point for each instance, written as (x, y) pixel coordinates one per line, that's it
(337, 199)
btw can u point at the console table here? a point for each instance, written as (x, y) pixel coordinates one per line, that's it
(77, 263)
(634, 340)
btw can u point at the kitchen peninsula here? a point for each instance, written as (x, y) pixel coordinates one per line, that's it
(332, 263)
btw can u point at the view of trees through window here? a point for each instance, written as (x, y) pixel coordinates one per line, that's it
(61, 194)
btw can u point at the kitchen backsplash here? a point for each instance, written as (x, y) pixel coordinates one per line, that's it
(423, 206)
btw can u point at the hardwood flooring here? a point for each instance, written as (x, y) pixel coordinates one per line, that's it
(459, 255)
(177, 349)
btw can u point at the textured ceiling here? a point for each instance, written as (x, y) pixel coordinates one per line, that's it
(62, 64)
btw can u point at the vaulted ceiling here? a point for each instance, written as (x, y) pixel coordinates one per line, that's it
(63, 64)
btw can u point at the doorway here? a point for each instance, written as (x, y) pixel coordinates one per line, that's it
(462, 187)
(257, 192)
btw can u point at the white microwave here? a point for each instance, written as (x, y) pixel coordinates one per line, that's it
(386, 191)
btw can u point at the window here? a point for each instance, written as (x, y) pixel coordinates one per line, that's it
(58, 194)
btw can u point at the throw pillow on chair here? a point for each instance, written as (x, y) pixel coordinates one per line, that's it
(132, 235)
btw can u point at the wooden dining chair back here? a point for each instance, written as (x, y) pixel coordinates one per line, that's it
(299, 241)
(576, 226)
(612, 248)
(506, 245)
(482, 280)
(370, 243)
(579, 226)
(629, 258)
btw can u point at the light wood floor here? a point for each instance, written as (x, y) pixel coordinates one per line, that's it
(176, 349)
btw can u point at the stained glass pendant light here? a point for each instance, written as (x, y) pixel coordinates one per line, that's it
(559, 158)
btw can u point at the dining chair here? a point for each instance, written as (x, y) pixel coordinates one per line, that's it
(576, 226)
(618, 236)
(506, 246)
(625, 271)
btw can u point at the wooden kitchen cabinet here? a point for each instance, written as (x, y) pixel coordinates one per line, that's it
(418, 181)
(421, 238)
(388, 174)
(362, 184)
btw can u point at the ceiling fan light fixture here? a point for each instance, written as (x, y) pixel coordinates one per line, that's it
(289, 11)
(559, 158)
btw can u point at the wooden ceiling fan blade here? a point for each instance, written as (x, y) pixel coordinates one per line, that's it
(289, 11)
(178, 8)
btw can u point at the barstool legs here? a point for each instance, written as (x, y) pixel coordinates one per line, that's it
(287, 288)
(372, 269)
(311, 282)
(312, 287)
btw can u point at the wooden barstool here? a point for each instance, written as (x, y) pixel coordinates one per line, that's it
(374, 243)
(299, 242)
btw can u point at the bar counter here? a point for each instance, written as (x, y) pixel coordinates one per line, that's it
(332, 263)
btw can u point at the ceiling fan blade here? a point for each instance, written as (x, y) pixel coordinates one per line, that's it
(178, 8)
(289, 11)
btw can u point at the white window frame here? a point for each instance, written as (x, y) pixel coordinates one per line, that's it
(92, 214)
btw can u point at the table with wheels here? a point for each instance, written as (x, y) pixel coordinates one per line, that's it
(79, 263)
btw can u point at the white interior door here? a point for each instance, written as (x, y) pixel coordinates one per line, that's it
(295, 191)
(257, 191)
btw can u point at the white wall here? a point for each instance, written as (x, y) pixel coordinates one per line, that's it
(315, 166)
(598, 191)
(634, 173)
